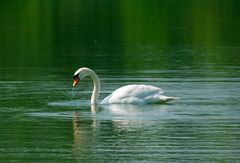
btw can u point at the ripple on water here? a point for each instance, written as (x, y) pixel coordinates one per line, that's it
(69, 103)
(65, 115)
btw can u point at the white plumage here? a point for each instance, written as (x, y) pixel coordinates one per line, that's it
(137, 94)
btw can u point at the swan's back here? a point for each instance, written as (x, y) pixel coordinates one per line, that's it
(136, 94)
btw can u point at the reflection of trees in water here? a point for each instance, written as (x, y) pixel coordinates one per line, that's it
(177, 33)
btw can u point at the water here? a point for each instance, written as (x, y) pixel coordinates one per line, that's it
(42, 119)
(73, 92)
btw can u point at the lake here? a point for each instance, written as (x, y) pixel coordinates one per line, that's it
(190, 49)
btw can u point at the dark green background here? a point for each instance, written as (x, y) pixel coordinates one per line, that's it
(128, 33)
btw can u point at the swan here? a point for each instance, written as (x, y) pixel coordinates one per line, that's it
(129, 94)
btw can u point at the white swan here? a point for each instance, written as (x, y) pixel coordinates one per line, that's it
(129, 94)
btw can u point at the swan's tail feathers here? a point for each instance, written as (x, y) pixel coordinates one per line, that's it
(167, 98)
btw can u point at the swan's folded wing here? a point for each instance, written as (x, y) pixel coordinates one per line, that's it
(132, 94)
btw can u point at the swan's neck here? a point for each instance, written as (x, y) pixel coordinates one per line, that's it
(96, 87)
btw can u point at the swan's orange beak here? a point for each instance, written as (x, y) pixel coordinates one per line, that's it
(75, 81)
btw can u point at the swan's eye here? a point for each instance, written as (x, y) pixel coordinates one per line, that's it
(76, 77)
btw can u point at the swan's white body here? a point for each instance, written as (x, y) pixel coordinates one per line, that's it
(129, 94)
(136, 94)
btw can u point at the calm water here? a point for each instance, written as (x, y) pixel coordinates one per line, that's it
(189, 49)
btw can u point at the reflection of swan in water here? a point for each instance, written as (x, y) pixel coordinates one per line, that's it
(84, 135)
(134, 112)
(106, 120)
(130, 94)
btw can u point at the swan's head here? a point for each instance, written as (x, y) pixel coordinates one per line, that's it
(75, 80)
(80, 74)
